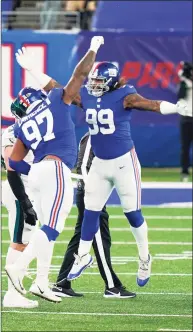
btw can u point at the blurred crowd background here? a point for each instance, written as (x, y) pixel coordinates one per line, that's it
(150, 41)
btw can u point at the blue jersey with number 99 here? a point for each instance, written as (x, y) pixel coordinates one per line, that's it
(109, 122)
(48, 129)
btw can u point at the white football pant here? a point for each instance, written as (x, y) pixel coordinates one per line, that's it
(52, 192)
(123, 173)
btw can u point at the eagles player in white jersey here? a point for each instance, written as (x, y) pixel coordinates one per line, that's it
(21, 217)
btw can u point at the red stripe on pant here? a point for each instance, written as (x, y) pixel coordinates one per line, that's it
(137, 178)
(59, 195)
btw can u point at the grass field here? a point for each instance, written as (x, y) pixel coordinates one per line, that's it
(153, 174)
(164, 304)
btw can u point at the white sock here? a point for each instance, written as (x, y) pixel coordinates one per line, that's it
(44, 259)
(141, 236)
(84, 247)
(41, 248)
(12, 256)
(30, 251)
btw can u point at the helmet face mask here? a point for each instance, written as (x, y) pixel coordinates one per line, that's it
(103, 79)
(97, 86)
(26, 97)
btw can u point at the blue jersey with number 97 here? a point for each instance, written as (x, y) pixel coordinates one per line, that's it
(109, 122)
(48, 129)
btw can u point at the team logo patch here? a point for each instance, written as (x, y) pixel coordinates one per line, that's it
(112, 72)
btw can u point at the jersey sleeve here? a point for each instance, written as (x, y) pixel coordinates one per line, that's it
(130, 89)
(55, 95)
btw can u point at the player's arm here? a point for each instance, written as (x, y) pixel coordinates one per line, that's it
(26, 61)
(136, 101)
(16, 161)
(82, 70)
(18, 189)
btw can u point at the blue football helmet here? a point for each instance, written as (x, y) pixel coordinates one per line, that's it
(104, 78)
(26, 97)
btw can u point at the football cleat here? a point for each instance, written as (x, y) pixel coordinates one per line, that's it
(118, 292)
(44, 292)
(144, 271)
(64, 292)
(16, 276)
(16, 300)
(80, 264)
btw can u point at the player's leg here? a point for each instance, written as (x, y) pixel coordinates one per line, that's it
(97, 190)
(186, 129)
(128, 185)
(56, 203)
(17, 233)
(52, 182)
(63, 286)
(101, 246)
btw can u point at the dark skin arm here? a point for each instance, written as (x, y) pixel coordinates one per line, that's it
(19, 151)
(77, 79)
(138, 102)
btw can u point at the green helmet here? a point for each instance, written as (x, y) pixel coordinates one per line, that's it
(18, 109)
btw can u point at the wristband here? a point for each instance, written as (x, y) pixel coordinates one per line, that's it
(20, 166)
(40, 77)
(167, 108)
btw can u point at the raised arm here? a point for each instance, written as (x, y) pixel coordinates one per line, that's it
(27, 61)
(136, 101)
(82, 70)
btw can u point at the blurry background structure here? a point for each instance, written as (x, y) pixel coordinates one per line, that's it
(146, 39)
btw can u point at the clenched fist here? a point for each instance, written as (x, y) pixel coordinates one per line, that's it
(182, 108)
(96, 42)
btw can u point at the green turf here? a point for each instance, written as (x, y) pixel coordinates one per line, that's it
(153, 174)
(165, 294)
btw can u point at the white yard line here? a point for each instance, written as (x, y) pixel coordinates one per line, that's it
(125, 243)
(91, 314)
(174, 330)
(56, 270)
(138, 293)
(121, 216)
(122, 229)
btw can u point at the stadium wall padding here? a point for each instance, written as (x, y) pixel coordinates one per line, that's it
(143, 15)
(150, 61)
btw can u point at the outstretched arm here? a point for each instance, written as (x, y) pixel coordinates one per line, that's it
(138, 102)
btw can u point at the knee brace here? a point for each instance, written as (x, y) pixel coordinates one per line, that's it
(135, 218)
(51, 233)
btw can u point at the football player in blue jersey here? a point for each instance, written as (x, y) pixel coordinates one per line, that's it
(45, 127)
(108, 102)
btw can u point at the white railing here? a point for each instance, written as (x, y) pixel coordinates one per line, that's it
(47, 20)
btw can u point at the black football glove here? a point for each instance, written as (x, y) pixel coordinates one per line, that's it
(30, 215)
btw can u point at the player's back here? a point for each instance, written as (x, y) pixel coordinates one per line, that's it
(109, 122)
(48, 129)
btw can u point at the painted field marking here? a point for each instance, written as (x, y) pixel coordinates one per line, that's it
(124, 243)
(121, 216)
(91, 314)
(122, 229)
(138, 293)
(55, 269)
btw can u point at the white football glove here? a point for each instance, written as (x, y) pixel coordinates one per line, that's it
(25, 59)
(96, 42)
(183, 109)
